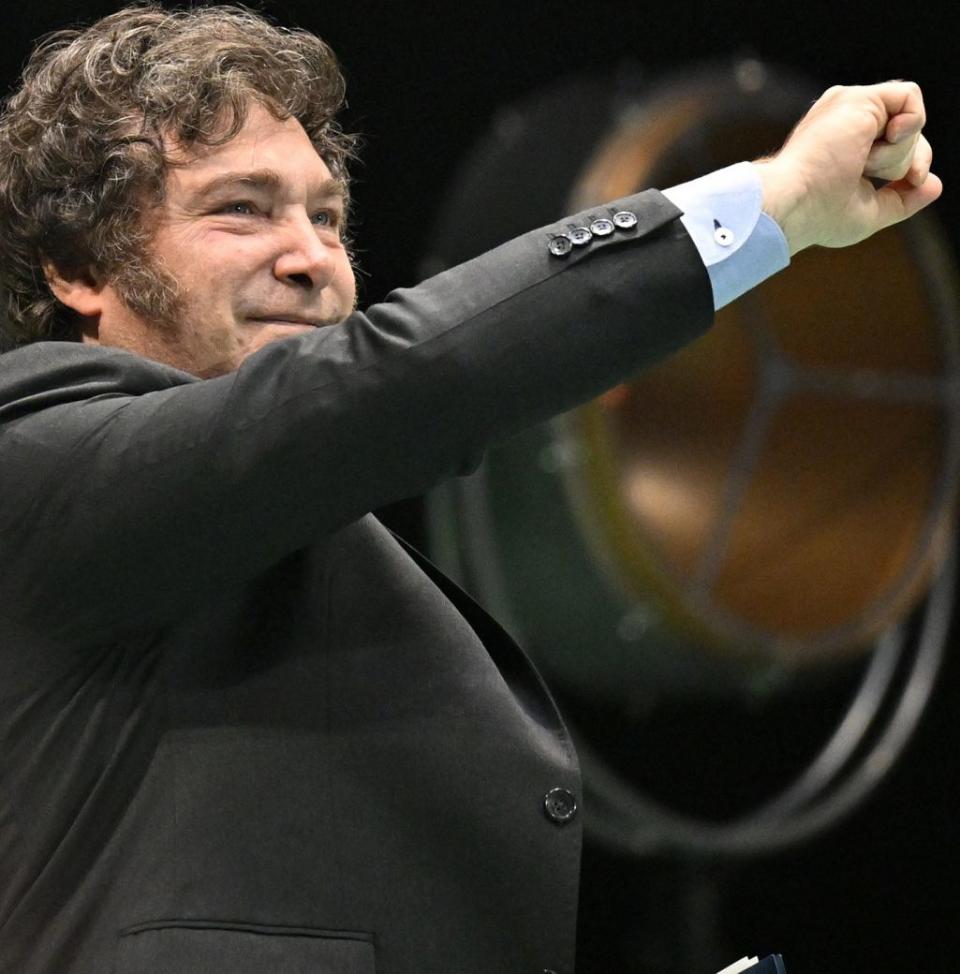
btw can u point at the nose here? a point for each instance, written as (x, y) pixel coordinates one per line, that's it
(306, 256)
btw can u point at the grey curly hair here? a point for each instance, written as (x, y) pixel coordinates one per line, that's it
(84, 141)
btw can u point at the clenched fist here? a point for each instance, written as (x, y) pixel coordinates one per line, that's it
(818, 187)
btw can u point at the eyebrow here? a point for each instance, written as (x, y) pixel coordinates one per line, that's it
(264, 179)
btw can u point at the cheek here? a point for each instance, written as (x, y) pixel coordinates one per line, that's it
(347, 285)
(220, 273)
(206, 250)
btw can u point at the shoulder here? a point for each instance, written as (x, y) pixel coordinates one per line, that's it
(53, 373)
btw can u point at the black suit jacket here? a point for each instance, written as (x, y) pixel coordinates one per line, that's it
(245, 731)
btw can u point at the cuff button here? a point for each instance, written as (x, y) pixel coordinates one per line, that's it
(560, 245)
(723, 236)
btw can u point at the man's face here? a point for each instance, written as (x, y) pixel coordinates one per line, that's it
(249, 231)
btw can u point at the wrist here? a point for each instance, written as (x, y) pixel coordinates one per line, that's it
(782, 198)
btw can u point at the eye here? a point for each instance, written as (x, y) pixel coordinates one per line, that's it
(326, 218)
(238, 208)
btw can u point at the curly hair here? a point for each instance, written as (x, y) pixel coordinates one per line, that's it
(84, 142)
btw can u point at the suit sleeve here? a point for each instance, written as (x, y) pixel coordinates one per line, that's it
(131, 491)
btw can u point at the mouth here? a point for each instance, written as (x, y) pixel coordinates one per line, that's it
(286, 320)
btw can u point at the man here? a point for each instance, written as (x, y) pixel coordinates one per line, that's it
(245, 729)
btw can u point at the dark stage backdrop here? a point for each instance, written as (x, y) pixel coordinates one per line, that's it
(878, 893)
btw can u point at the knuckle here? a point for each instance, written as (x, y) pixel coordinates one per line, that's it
(874, 112)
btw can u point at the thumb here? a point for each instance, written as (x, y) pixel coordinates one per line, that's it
(899, 200)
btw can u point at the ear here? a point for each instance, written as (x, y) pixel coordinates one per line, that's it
(82, 293)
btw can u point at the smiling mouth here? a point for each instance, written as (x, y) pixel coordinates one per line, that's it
(286, 320)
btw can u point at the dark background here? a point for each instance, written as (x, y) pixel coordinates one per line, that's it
(425, 79)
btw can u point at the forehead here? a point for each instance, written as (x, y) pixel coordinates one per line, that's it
(263, 143)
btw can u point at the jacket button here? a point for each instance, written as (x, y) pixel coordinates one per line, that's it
(625, 220)
(560, 245)
(560, 805)
(580, 236)
(601, 227)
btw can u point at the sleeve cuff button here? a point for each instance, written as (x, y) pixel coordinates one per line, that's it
(601, 227)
